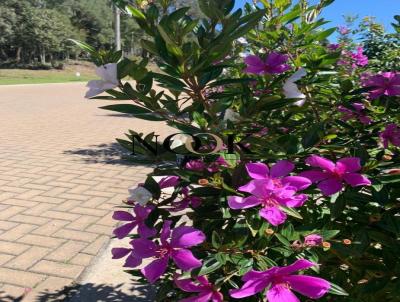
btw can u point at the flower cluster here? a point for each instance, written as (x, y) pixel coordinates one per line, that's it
(384, 83)
(271, 189)
(357, 113)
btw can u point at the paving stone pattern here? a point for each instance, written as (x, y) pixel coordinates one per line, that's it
(60, 178)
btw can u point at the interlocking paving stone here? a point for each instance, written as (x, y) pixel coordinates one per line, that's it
(61, 177)
(58, 269)
(12, 247)
(28, 258)
(21, 278)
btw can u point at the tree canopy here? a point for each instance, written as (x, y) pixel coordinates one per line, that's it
(37, 31)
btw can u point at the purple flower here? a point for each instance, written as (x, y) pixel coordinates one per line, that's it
(359, 58)
(330, 179)
(385, 83)
(273, 64)
(169, 181)
(357, 113)
(271, 190)
(333, 47)
(391, 135)
(206, 290)
(313, 240)
(344, 30)
(280, 281)
(217, 164)
(141, 214)
(187, 201)
(173, 245)
(195, 165)
(131, 261)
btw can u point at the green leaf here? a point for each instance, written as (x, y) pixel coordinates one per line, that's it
(230, 81)
(291, 212)
(328, 234)
(282, 239)
(169, 82)
(216, 240)
(337, 290)
(208, 267)
(136, 111)
(312, 136)
(84, 46)
(136, 13)
(153, 186)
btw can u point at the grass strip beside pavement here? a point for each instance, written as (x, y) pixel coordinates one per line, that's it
(26, 76)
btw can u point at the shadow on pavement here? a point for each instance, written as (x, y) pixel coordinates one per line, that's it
(90, 293)
(4, 297)
(105, 154)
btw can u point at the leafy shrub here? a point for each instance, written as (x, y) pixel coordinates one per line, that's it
(310, 181)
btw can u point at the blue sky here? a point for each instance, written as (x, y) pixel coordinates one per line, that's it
(384, 10)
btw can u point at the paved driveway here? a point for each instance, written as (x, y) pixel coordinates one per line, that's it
(60, 177)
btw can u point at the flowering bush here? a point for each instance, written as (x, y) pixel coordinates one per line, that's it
(311, 182)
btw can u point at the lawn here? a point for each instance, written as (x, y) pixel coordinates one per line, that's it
(74, 72)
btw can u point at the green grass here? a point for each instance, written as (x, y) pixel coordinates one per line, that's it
(26, 76)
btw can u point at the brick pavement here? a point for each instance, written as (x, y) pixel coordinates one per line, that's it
(60, 178)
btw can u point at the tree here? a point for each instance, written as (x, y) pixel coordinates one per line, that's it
(8, 22)
(382, 48)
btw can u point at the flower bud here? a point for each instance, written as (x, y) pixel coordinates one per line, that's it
(269, 232)
(203, 182)
(297, 245)
(346, 241)
(386, 157)
(313, 240)
(394, 172)
(326, 244)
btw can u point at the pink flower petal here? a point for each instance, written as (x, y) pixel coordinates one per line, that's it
(145, 232)
(142, 212)
(155, 269)
(250, 288)
(123, 216)
(254, 61)
(280, 293)
(257, 170)
(185, 260)
(311, 287)
(132, 261)
(273, 215)
(185, 236)
(351, 164)
(295, 201)
(258, 187)
(166, 231)
(123, 231)
(300, 183)
(144, 248)
(320, 162)
(330, 186)
(257, 275)
(202, 297)
(188, 285)
(314, 175)
(236, 202)
(120, 252)
(281, 168)
(355, 180)
(169, 181)
(296, 266)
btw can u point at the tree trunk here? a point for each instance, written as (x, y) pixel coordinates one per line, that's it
(3, 54)
(43, 56)
(18, 55)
